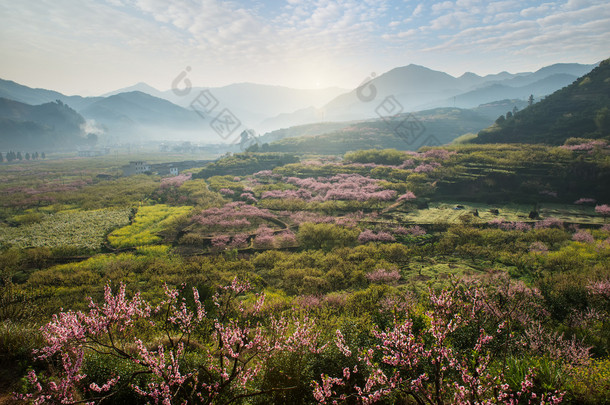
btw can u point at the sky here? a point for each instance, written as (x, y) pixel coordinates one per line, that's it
(90, 47)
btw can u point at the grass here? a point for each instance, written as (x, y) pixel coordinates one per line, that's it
(444, 212)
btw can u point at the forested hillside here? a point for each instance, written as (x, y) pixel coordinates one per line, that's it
(41, 126)
(581, 109)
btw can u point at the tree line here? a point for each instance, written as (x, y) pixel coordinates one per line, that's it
(11, 156)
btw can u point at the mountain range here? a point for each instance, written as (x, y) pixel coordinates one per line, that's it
(142, 113)
(415, 88)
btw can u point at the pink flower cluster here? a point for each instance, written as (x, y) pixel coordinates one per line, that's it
(234, 354)
(424, 364)
(341, 187)
(263, 173)
(248, 197)
(440, 154)
(549, 222)
(222, 242)
(408, 196)
(267, 238)
(232, 215)
(427, 167)
(538, 247)
(585, 201)
(369, 236)
(415, 230)
(288, 194)
(383, 276)
(599, 289)
(603, 209)
(583, 236)
(175, 181)
(587, 146)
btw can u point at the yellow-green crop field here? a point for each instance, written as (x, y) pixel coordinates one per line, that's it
(148, 222)
(77, 228)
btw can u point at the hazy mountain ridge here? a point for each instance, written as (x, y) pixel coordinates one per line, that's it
(419, 88)
(144, 113)
(127, 114)
(46, 125)
(24, 94)
(438, 126)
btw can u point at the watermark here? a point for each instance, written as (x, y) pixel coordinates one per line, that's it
(391, 111)
(204, 104)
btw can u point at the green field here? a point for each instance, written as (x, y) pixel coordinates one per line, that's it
(445, 213)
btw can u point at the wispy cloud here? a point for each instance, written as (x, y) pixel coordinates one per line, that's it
(102, 44)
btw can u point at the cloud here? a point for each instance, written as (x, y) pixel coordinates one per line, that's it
(439, 7)
(418, 10)
(296, 42)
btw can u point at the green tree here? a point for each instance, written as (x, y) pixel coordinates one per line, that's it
(602, 120)
(530, 100)
(91, 140)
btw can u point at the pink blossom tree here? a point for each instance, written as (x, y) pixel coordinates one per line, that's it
(264, 238)
(239, 341)
(408, 196)
(369, 236)
(425, 364)
(383, 276)
(585, 201)
(583, 236)
(603, 210)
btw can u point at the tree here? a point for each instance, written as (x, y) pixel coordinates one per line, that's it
(19, 157)
(603, 209)
(515, 109)
(602, 120)
(1, 158)
(91, 139)
(457, 355)
(237, 341)
(500, 120)
(509, 115)
(530, 100)
(27, 155)
(43, 155)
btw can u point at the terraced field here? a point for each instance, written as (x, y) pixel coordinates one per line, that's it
(448, 213)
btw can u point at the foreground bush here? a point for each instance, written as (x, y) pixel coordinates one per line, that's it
(231, 348)
(481, 341)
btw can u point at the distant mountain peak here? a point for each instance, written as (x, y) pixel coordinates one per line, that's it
(140, 86)
(469, 75)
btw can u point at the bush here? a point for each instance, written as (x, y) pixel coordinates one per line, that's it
(326, 236)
